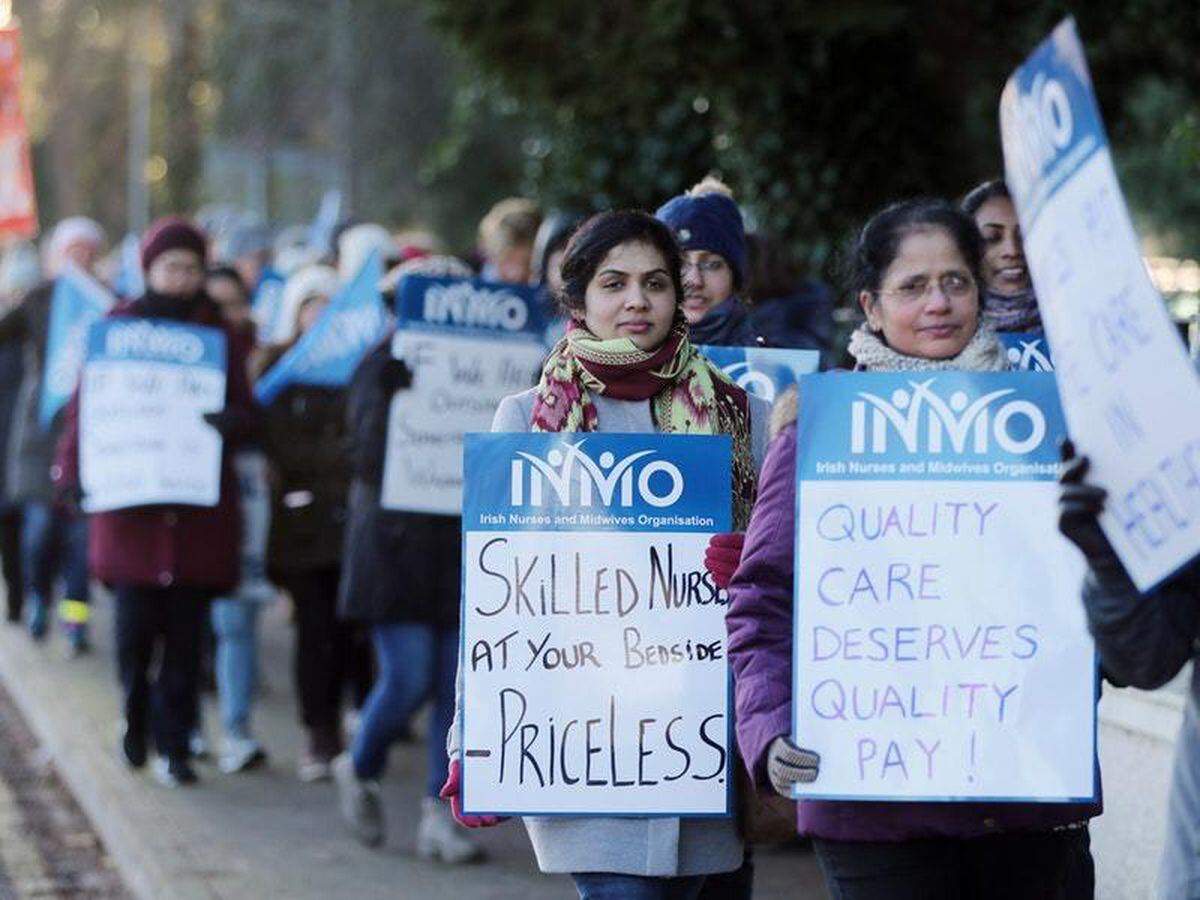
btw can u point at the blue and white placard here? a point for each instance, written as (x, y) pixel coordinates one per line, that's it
(77, 301)
(763, 371)
(1027, 351)
(593, 655)
(1126, 382)
(353, 322)
(470, 344)
(142, 438)
(941, 651)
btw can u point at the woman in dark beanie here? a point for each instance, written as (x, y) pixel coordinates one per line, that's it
(708, 226)
(164, 563)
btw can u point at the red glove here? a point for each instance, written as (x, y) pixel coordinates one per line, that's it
(723, 555)
(452, 791)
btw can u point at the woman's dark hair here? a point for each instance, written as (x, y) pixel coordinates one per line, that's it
(874, 250)
(229, 273)
(593, 240)
(981, 194)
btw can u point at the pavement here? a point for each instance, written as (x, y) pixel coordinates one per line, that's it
(262, 834)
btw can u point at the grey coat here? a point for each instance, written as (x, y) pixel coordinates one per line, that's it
(661, 847)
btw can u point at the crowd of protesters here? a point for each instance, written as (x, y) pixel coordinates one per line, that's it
(374, 594)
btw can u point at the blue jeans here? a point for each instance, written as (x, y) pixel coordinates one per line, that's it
(414, 661)
(53, 543)
(235, 624)
(614, 886)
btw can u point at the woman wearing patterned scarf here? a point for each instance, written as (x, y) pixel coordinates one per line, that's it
(626, 365)
(1009, 302)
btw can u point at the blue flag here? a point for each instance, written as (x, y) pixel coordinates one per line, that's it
(77, 302)
(130, 282)
(328, 353)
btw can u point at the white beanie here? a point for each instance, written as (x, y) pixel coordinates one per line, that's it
(76, 229)
(305, 283)
(357, 243)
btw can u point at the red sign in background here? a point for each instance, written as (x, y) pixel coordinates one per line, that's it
(18, 206)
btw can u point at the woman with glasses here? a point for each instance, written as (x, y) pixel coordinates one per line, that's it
(1009, 302)
(915, 271)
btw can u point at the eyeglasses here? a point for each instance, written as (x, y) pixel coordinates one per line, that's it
(710, 266)
(952, 284)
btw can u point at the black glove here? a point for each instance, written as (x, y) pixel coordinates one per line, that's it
(69, 500)
(225, 421)
(1079, 505)
(395, 375)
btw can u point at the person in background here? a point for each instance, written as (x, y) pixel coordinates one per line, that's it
(506, 236)
(914, 270)
(401, 579)
(165, 562)
(708, 226)
(548, 250)
(19, 273)
(247, 250)
(235, 616)
(357, 243)
(1009, 300)
(53, 539)
(786, 308)
(622, 291)
(305, 438)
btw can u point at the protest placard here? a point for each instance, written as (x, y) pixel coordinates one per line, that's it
(142, 437)
(469, 344)
(18, 202)
(763, 371)
(328, 353)
(1027, 351)
(941, 651)
(1123, 374)
(594, 665)
(77, 302)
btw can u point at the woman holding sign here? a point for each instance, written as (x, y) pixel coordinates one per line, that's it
(626, 365)
(915, 270)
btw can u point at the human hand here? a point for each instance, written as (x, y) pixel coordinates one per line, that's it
(452, 791)
(788, 765)
(395, 375)
(1079, 506)
(722, 556)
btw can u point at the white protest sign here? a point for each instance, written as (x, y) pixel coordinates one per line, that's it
(941, 651)
(1126, 382)
(469, 344)
(594, 665)
(142, 439)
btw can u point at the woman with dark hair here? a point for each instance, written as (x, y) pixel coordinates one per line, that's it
(915, 271)
(1009, 301)
(626, 365)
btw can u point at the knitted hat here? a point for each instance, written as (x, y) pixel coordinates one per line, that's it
(302, 285)
(707, 218)
(172, 233)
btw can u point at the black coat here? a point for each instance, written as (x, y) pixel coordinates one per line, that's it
(398, 566)
(304, 437)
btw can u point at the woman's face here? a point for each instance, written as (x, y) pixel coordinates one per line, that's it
(1004, 267)
(631, 295)
(229, 296)
(927, 304)
(176, 273)
(707, 283)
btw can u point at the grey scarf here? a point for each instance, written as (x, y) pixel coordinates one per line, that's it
(983, 354)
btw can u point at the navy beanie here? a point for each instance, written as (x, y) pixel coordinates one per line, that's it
(709, 222)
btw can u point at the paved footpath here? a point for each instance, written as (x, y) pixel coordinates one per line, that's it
(263, 834)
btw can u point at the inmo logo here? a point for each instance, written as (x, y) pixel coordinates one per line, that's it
(750, 381)
(461, 303)
(1044, 120)
(927, 423)
(1029, 356)
(570, 476)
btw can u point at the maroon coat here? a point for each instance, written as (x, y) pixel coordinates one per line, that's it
(169, 546)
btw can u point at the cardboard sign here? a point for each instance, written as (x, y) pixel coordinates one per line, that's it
(77, 303)
(763, 371)
(593, 651)
(941, 651)
(470, 344)
(1027, 351)
(142, 439)
(1126, 383)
